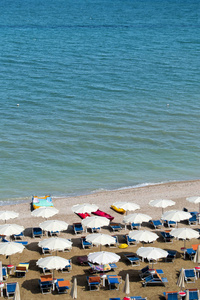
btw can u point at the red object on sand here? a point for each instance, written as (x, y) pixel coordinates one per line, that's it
(83, 216)
(101, 213)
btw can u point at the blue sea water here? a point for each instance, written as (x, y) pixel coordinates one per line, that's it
(96, 95)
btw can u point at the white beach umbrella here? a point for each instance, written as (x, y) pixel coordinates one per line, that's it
(55, 244)
(181, 279)
(7, 214)
(44, 212)
(197, 255)
(151, 253)
(10, 229)
(53, 263)
(103, 257)
(126, 289)
(95, 222)
(144, 236)
(195, 200)
(187, 296)
(74, 289)
(163, 203)
(53, 225)
(10, 248)
(100, 239)
(17, 293)
(184, 233)
(127, 206)
(176, 215)
(84, 208)
(136, 218)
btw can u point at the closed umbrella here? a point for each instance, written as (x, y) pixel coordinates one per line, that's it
(176, 215)
(10, 248)
(52, 263)
(1, 274)
(55, 244)
(7, 214)
(181, 279)
(53, 225)
(127, 285)
(100, 239)
(136, 218)
(184, 234)
(195, 200)
(197, 255)
(127, 206)
(144, 236)
(84, 208)
(17, 293)
(151, 253)
(74, 289)
(44, 212)
(95, 222)
(163, 203)
(187, 296)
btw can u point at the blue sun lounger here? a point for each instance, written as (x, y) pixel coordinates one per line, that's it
(190, 275)
(114, 281)
(193, 294)
(93, 282)
(77, 227)
(10, 289)
(36, 232)
(156, 223)
(115, 226)
(171, 295)
(84, 243)
(133, 259)
(190, 253)
(129, 241)
(171, 255)
(62, 286)
(168, 238)
(154, 280)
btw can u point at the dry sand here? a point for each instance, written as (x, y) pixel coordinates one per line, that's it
(177, 191)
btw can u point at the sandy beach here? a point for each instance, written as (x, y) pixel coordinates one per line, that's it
(177, 191)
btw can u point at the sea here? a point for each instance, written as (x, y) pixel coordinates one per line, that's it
(97, 95)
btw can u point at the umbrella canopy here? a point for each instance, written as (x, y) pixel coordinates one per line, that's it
(127, 206)
(74, 289)
(127, 285)
(176, 215)
(52, 262)
(163, 203)
(144, 236)
(195, 200)
(95, 222)
(84, 208)
(136, 218)
(181, 279)
(10, 248)
(103, 257)
(7, 214)
(184, 233)
(100, 239)
(151, 253)
(53, 225)
(55, 244)
(44, 212)
(197, 255)
(10, 229)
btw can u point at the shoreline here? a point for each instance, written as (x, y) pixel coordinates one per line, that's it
(27, 199)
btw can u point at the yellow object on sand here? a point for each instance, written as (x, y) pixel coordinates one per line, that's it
(123, 246)
(119, 210)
